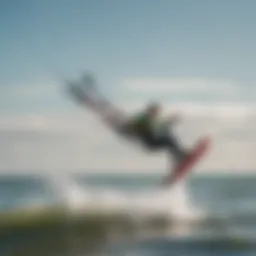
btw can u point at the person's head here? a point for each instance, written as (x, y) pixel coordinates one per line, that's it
(153, 109)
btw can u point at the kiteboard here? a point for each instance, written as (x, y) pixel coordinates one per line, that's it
(183, 168)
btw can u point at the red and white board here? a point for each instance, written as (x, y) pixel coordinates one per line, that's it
(198, 151)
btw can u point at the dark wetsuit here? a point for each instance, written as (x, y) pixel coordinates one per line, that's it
(143, 127)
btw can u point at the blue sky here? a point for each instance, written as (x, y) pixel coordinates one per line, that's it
(42, 41)
(179, 51)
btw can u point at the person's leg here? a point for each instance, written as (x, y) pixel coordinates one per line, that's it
(175, 148)
(168, 142)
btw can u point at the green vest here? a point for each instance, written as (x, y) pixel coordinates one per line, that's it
(142, 124)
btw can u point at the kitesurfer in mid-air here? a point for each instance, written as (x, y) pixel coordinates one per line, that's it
(140, 126)
(144, 126)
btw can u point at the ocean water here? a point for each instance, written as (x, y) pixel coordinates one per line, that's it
(225, 203)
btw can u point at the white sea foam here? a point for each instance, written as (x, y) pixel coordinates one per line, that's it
(171, 202)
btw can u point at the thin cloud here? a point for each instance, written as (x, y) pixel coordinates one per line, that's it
(80, 140)
(190, 87)
(89, 145)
